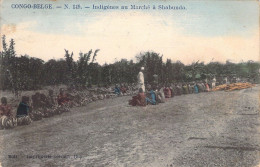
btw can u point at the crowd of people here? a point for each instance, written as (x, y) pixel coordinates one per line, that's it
(40, 105)
(158, 94)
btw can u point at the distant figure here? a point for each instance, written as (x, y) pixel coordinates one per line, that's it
(191, 88)
(167, 92)
(123, 89)
(37, 102)
(200, 87)
(51, 100)
(207, 87)
(64, 102)
(213, 83)
(196, 89)
(178, 89)
(117, 90)
(172, 90)
(62, 98)
(140, 78)
(185, 89)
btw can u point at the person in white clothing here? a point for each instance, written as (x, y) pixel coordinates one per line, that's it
(214, 82)
(140, 79)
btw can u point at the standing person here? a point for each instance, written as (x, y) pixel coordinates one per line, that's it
(140, 78)
(213, 83)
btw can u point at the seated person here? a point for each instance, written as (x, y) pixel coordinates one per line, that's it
(200, 87)
(151, 97)
(191, 88)
(207, 87)
(5, 109)
(138, 100)
(23, 108)
(172, 90)
(203, 87)
(117, 90)
(196, 89)
(64, 102)
(38, 107)
(22, 113)
(45, 108)
(161, 96)
(51, 100)
(63, 98)
(39, 101)
(178, 89)
(123, 89)
(73, 98)
(185, 89)
(167, 92)
(6, 117)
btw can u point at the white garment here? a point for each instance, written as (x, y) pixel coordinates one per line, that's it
(140, 79)
(214, 82)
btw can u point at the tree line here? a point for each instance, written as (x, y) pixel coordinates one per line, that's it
(29, 73)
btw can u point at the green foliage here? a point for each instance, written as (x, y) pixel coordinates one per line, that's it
(27, 73)
(153, 64)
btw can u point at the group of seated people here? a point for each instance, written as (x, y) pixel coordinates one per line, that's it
(189, 88)
(40, 105)
(158, 94)
(153, 96)
(33, 109)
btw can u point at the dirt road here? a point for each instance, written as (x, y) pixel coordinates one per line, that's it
(207, 129)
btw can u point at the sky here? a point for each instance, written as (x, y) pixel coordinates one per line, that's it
(205, 31)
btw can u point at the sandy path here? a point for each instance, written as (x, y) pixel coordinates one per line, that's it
(208, 129)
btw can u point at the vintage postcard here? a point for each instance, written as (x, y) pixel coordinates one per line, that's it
(143, 83)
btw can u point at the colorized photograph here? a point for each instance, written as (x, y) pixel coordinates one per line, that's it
(142, 83)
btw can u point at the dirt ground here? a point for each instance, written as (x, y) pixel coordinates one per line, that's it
(206, 129)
